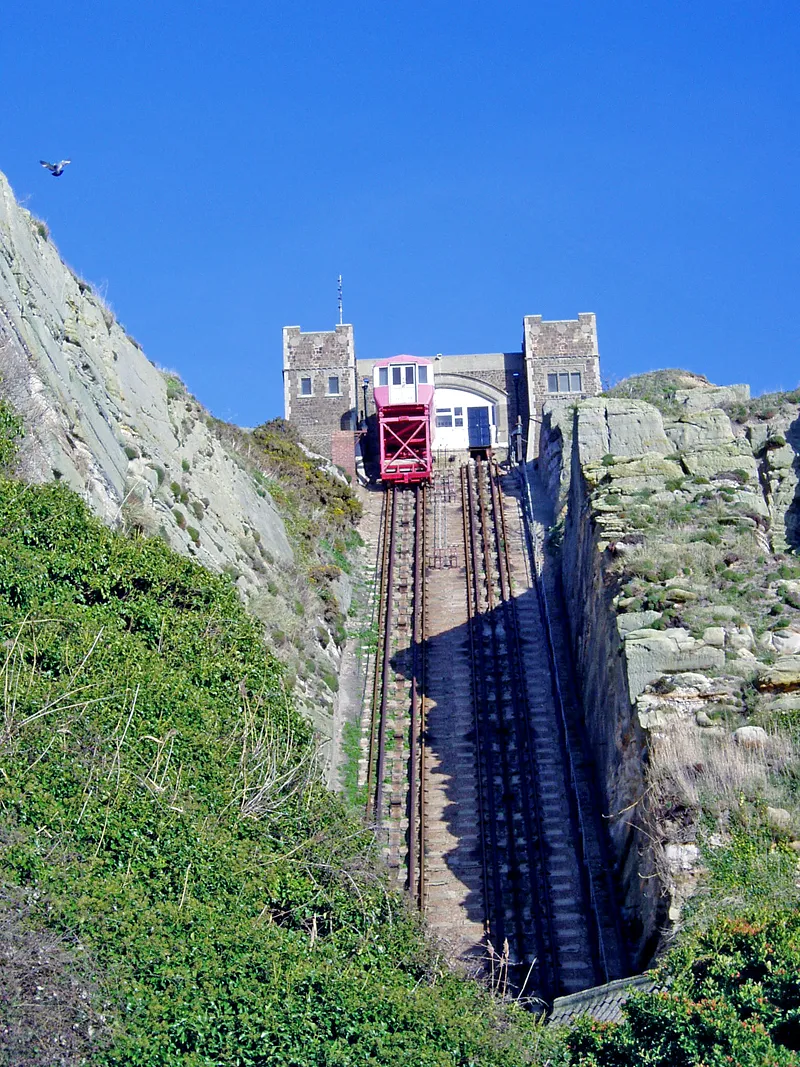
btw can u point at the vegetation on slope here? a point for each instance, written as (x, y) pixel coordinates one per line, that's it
(700, 545)
(731, 996)
(657, 387)
(302, 603)
(162, 815)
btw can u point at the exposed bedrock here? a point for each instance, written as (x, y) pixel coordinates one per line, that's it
(130, 439)
(671, 527)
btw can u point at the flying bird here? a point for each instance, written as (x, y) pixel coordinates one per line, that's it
(56, 169)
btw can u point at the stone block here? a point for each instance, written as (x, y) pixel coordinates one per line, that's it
(750, 736)
(782, 675)
(649, 654)
(619, 428)
(702, 428)
(703, 397)
(714, 636)
(636, 620)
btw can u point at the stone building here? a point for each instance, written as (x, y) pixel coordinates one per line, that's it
(503, 389)
(561, 360)
(319, 388)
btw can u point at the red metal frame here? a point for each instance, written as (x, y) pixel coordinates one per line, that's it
(405, 443)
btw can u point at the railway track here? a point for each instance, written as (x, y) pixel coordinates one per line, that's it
(396, 734)
(476, 775)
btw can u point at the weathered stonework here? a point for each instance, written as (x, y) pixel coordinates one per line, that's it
(559, 348)
(319, 384)
(516, 384)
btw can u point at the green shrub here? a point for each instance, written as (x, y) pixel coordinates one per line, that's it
(194, 534)
(667, 1030)
(233, 909)
(175, 387)
(10, 433)
(330, 679)
(186, 465)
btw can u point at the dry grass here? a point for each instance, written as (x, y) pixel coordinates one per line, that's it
(698, 768)
(52, 1010)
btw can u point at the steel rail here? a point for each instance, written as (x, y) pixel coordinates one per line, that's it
(386, 661)
(373, 721)
(414, 777)
(423, 637)
(493, 923)
(526, 746)
(497, 701)
(506, 762)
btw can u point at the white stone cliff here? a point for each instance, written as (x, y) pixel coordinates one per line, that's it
(126, 436)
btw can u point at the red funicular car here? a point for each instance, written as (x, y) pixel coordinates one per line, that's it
(403, 387)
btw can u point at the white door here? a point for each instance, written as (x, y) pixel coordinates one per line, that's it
(402, 384)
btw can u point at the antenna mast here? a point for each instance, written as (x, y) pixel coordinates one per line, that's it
(340, 300)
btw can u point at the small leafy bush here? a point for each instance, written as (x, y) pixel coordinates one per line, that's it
(10, 434)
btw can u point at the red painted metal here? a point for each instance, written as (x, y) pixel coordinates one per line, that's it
(405, 428)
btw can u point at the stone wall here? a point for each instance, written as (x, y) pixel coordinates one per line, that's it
(314, 359)
(559, 347)
(617, 742)
(343, 451)
(516, 383)
(490, 376)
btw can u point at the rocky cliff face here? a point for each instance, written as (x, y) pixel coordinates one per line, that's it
(683, 598)
(130, 440)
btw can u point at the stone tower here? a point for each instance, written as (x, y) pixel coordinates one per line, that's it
(561, 362)
(319, 388)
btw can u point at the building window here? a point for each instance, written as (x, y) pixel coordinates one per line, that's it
(383, 375)
(305, 387)
(422, 374)
(444, 418)
(333, 385)
(410, 375)
(458, 415)
(397, 375)
(566, 382)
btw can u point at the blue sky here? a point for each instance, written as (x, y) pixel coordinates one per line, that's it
(461, 164)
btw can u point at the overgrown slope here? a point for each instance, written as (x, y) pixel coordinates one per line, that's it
(161, 810)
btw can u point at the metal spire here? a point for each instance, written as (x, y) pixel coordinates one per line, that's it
(340, 300)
